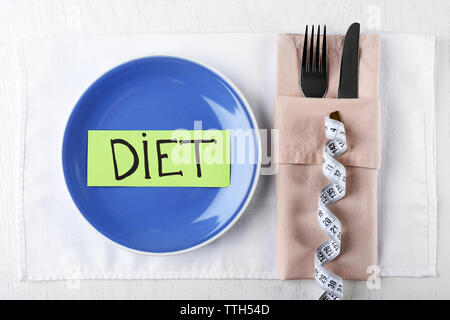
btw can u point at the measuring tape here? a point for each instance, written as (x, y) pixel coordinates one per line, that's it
(335, 172)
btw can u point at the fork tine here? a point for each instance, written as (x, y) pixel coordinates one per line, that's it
(317, 49)
(324, 50)
(311, 48)
(313, 78)
(305, 50)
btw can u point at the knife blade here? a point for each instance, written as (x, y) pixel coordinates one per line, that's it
(348, 79)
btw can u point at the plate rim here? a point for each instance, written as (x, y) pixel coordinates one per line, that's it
(258, 164)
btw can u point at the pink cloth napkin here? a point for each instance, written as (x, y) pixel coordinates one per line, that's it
(300, 122)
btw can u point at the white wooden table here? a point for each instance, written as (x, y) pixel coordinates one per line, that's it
(37, 18)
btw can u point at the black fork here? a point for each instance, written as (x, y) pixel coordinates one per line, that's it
(313, 73)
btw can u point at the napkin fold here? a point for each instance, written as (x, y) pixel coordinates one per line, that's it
(300, 122)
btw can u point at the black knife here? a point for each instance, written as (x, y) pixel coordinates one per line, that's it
(348, 79)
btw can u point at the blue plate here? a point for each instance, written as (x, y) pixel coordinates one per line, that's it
(160, 93)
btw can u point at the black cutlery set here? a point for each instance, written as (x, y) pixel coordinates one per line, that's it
(313, 72)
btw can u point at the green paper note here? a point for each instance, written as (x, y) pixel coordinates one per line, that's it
(157, 158)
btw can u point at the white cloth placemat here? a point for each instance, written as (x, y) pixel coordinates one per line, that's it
(55, 242)
(407, 202)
